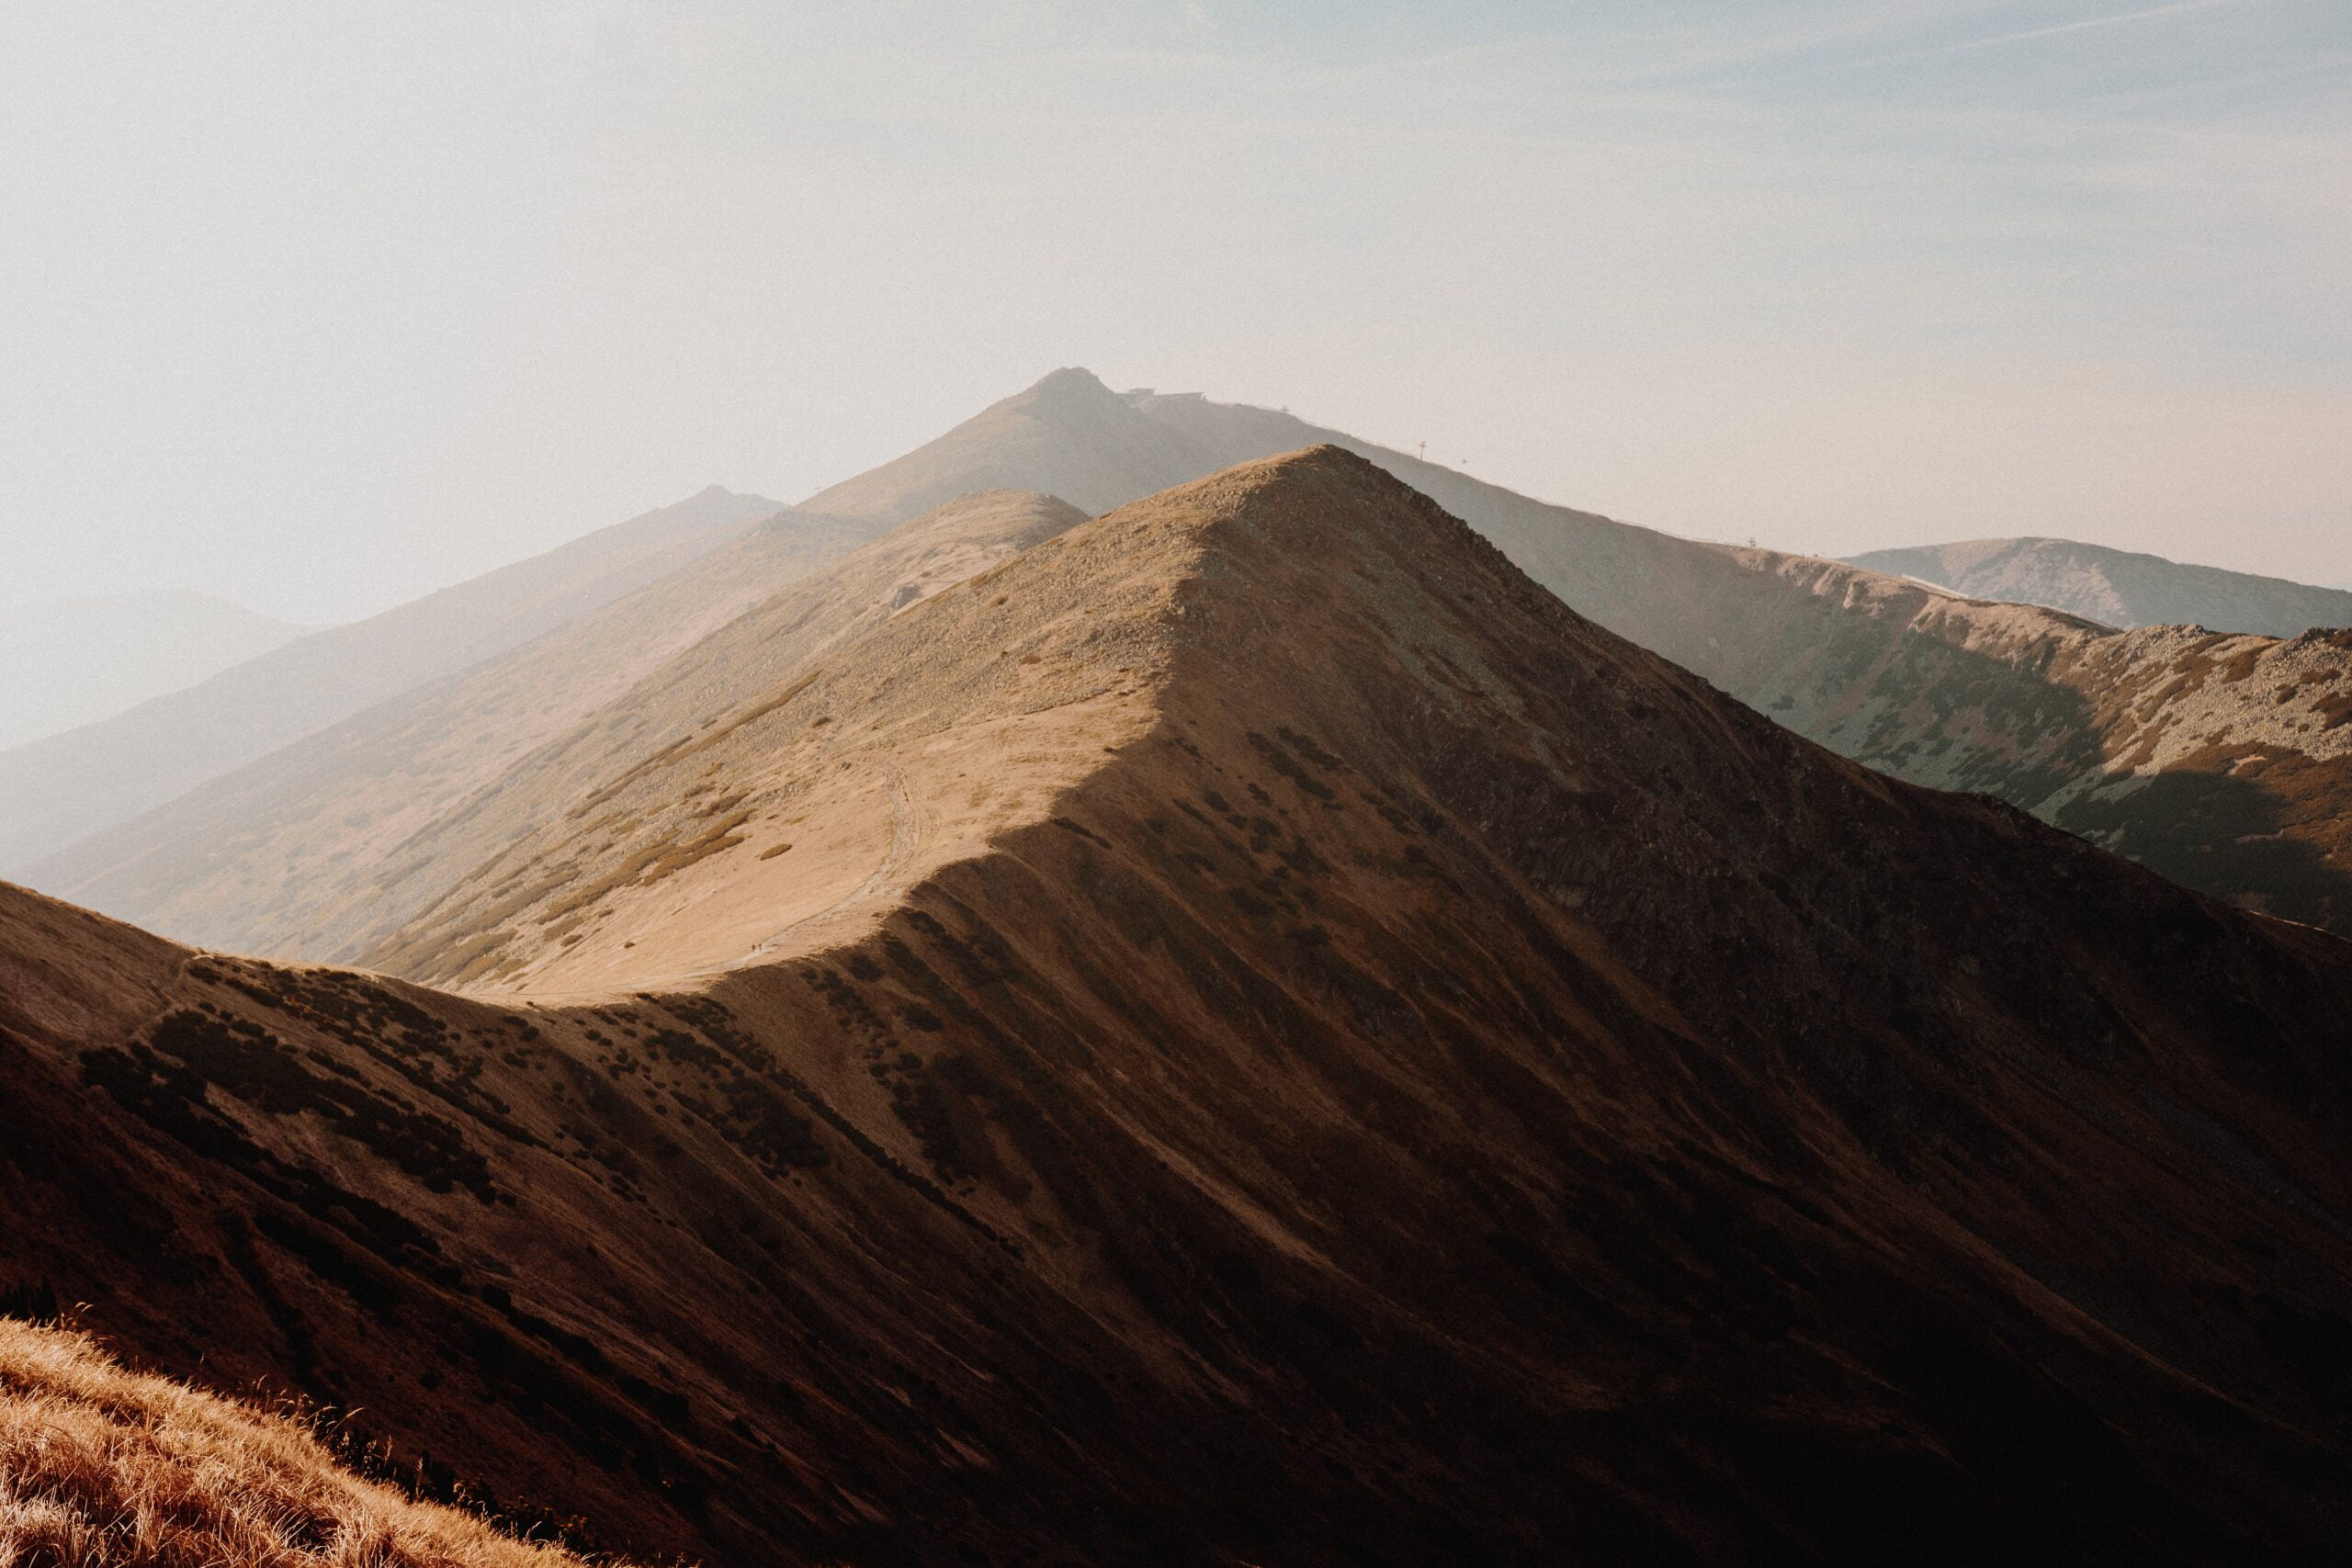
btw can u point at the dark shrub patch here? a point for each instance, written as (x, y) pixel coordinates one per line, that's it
(262, 1072)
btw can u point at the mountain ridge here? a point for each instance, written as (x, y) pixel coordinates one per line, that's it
(1445, 1085)
(2027, 702)
(2124, 588)
(1432, 1015)
(2212, 760)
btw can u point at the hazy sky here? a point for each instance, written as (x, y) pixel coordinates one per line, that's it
(320, 306)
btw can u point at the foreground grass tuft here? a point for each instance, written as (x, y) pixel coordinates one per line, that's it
(103, 1467)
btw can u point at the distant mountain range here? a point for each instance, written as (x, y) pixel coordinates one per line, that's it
(2119, 588)
(2223, 760)
(67, 662)
(1245, 1031)
(57, 790)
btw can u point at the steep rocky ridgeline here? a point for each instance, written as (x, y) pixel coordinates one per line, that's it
(2224, 762)
(1313, 1053)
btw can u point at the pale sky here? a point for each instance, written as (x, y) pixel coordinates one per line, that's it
(320, 306)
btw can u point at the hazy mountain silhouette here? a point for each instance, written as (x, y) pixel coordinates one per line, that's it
(2119, 588)
(67, 662)
(298, 849)
(57, 790)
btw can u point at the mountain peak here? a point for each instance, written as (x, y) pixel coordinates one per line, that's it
(1033, 674)
(1068, 435)
(1071, 381)
(1299, 518)
(1285, 771)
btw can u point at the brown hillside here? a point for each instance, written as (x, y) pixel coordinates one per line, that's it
(1406, 1077)
(804, 599)
(721, 829)
(100, 1467)
(2224, 762)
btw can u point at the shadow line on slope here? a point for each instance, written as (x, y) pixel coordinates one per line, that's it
(2223, 835)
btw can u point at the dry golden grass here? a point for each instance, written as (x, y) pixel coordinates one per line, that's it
(101, 1468)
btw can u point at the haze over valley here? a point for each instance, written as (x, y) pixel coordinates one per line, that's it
(68, 663)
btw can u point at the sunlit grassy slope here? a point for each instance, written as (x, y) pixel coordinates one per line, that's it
(101, 1467)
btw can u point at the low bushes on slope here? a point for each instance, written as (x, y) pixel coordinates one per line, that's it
(100, 1467)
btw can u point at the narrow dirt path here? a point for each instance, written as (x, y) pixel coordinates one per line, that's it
(906, 838)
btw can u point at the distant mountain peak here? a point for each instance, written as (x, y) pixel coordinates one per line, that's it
(1071, 381)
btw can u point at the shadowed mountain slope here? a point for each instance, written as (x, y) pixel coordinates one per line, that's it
(55, 790)
(1314, 1054)
(2119, 588)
